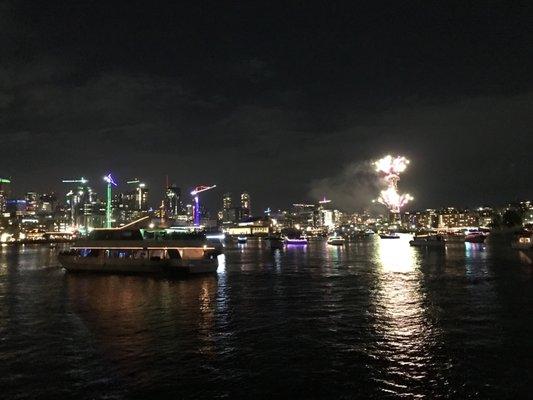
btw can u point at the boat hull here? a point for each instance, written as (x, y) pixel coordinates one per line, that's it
(77, 264)
(414, 243)
(298, 242)
(389, 236)
(475, 239)
(336, 242)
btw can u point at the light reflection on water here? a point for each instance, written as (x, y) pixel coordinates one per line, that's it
(367, 319)
(405, 333)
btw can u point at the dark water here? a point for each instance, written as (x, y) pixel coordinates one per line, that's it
(376, 319)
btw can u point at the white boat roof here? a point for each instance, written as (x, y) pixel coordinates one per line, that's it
(140, 244)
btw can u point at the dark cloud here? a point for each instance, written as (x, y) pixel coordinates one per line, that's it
(280, 101)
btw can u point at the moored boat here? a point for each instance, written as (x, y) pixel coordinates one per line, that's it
(298, 241)
(132, 251)
(336, 240)
(428, 241)
(475, 237)
(389, 235)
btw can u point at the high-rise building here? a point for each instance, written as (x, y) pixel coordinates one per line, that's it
(5, 193)
(173, 204)
(246, 204)
(137, 199)
(76, 200)
(227, 213)
(226, 201)
(31, 202)
(141, 197)
(47, 203)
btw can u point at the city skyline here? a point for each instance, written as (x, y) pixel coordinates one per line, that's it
(217, 201)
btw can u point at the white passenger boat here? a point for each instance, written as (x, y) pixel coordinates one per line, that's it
(428, 241)
(336, 240)
(141, 251)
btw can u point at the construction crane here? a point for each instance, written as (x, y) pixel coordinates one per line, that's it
(82, 182)
(196, 209)
(108, 214)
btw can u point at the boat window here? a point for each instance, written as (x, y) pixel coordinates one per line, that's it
(139, 254)
(119, 254)
(89, 253)
(174, 254)
(157, 254)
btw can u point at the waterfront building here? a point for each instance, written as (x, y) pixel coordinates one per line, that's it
(485, 215)
(427, 219)
(451, 217)
(256, 227)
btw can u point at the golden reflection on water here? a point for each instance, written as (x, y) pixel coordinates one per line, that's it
(401, 323)
(396, 255)
(123, 312)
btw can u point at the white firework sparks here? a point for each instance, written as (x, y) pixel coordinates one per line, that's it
(391, 168)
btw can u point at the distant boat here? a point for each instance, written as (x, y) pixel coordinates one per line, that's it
(428, 241)
(475, 237)
(389, 235)
(298, 241)
(242, 239)
(455, 237)
(336, 240)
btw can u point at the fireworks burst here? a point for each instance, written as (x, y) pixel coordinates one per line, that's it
(390, 169)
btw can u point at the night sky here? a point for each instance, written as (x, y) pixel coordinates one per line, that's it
(288, 102)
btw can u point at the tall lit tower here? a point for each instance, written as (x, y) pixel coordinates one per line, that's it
(196, 208)
(245, 204)
(5, 192)
(75, 196)
(108, 211)
(140, 193)
(226, 201)
(173, 200)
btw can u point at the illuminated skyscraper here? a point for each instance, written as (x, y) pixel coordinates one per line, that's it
(246, 204)
(31, 202)
(226, 201)
(173, 201)
(138, 197)
(5, 193)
